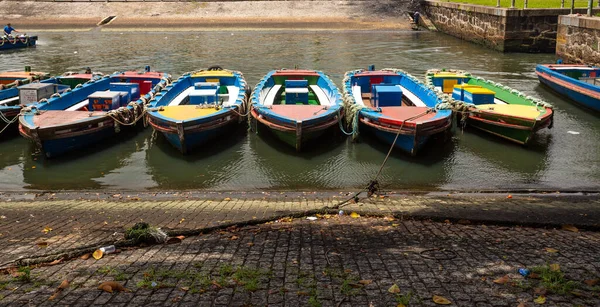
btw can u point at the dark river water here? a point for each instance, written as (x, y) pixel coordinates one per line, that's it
(243, 161)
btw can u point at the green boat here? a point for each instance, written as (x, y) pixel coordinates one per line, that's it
(492, 107)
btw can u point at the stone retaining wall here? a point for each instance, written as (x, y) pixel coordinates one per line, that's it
(578, 39)
(502, 29)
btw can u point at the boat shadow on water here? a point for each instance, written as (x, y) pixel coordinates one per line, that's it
(322, 145)
(235, 135)
(438, 148)
(81, 169)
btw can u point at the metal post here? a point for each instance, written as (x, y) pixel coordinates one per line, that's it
(590, 4)
(512, 4)
(498, 3)
(525, 4)
(562, 4)
(572, 6)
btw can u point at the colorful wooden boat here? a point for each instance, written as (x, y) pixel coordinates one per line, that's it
(90, 112)
(296, 105)
(395, 106)
(199, 106)
(19, 41)
(581, 83)
(492, 107)
(9, 95)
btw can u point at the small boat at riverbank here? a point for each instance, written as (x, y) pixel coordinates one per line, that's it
(15, 42)
(492, 107)
(580, 83)
(296, 105)
(9, 94)
(395, 106)
(199, 106)
(92, 111)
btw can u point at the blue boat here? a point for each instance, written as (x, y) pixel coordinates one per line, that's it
(33, 86)
(395, 106)
(19, 41)
(580, 83)
(93, 111)
(199, 106)
(296, 105)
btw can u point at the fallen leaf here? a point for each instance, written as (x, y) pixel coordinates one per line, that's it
(570, 228)
(522, 304)
(354, 215)
(181, 221)
(105, 223)
(110, 286)
(304, 293)
(502, 280)
(97, 254)
(509, 196)
(394, 289)
(534, 275)
(555, 267)
(55, 295)
(227, 199)
(540, 300)
(42, 244)
(250, 244)
(185, 288)
(400, 305)
(85, 257)
(591, 282)
(55, 262)
(463, 222)
(365, 281)
(46, 229)
(551, 250)
(440, 300)
(234, 238)
(176, 299)
(64, 284)
(180, 237)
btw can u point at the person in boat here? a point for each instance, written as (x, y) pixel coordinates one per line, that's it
(8, 30)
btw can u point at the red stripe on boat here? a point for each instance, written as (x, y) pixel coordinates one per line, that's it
(296, 72)
(375, 73)
(298, 112)
(569, 85)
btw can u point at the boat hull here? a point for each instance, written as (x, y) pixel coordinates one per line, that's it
(579, 94)
(510, 128)
(19, 43)
(407, 143)
(192, 136)
(59, 146)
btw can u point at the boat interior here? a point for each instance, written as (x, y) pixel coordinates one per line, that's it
(377, 91)
(588, 74)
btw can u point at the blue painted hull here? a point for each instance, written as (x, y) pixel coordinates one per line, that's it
(57, 147)
(193, 140)
(7, 45)
(583, 94)
(404, 142)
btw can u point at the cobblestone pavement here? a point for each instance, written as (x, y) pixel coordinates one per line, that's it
(333, 261)
(78, 223)
(329, 262)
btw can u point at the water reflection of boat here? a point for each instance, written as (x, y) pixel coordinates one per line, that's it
(218, 167)
(508, 166)
(92, 169)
